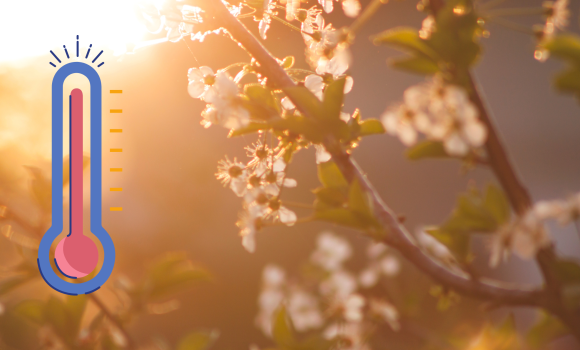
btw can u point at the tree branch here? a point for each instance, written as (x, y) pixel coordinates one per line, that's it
(397, 235)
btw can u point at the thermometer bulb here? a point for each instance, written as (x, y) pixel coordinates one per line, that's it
(76, 255)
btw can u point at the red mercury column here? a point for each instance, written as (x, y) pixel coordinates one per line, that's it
(76, 255)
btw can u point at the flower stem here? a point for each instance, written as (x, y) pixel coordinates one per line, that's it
(298, 205)
(511, 25)
(368, 12)
(286, 23)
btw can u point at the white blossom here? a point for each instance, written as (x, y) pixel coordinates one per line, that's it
(442, 112)
(273, 276)
(326, 5)
(435, 248)
(387, 312)
(233, 173)
(292, 7)
(304, 311)
(353, 306)
(200, 81)
(351, 8)
(339, 285)
(331, 251)
(313, 21)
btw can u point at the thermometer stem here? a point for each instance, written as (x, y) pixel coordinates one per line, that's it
(76, 162)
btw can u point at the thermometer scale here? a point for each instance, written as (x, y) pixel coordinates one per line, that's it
(76, 255)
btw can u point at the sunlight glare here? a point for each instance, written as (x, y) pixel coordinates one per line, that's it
(32, 28)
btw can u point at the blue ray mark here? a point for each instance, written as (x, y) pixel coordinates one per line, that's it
(101, 64)
(77, 46)
(52, 64)
(65, 50)
(97, 56)
(89, 50)
(58, 59)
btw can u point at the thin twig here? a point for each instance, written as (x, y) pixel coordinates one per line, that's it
(298, 205)
(512, 25)
(286, 23)
(368, 12)
(131, 345)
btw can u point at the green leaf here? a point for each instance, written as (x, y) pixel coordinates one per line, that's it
(333, 99)
(416, 64)
(200, 340)
(544, 331)
(371, 127)
(565, 46)
(261, 102)
(330, 197)
(31, 310)
(427, 149)
(504, 337)
(170, 273)
(344, 217)
(56, 314)
(359, 200)
(305, 98)
(568, 81)
(282, 329)
(456, 39)
(76, 306)
(288, 62)
(457, 242)
(497, 204)
(330, 175)
(405, 39)
(301, 125)
(567, 271)
(470, 214)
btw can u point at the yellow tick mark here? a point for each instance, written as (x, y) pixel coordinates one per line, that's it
(116, 189)
(116, 150)
(116, 208)
(116, 130)
(116, 91)
(116, 169)
(116, 111)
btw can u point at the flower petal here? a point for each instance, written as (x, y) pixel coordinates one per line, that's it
(195, 88)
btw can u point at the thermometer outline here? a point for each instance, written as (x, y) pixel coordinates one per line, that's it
(56, 229)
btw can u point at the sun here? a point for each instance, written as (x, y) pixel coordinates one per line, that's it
(31, 28)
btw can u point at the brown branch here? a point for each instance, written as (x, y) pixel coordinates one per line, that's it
(131, 345)
(519, 198)
(397, 235)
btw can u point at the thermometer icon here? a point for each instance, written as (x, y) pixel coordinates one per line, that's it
(76, 255)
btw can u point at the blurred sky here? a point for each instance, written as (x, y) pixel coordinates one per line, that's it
(171, 199)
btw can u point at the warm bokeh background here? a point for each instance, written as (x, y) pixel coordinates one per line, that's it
(172, 201)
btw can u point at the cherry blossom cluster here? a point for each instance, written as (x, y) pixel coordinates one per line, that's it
(527, 234)
(440, 111)
(338, 304)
